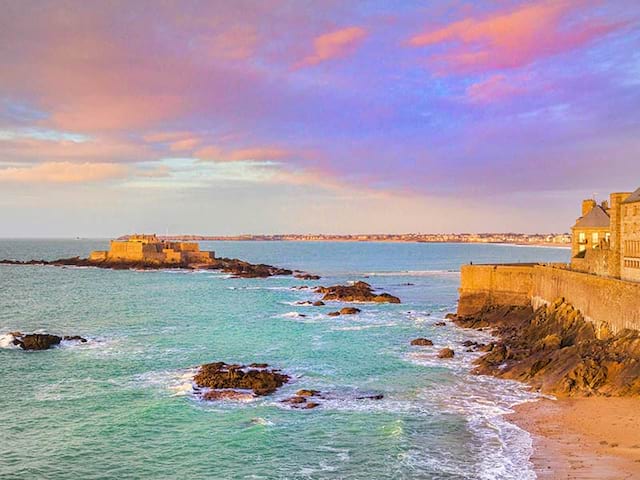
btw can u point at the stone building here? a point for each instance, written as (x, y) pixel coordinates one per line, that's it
(606, 238)
(150, 249)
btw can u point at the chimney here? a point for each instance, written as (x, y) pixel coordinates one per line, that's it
(587, 206)
(605, 205)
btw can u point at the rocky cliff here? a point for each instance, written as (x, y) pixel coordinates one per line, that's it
(556, 351)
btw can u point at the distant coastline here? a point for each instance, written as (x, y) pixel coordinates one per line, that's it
(520, 239)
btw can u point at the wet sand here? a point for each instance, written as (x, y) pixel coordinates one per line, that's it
(588, 438)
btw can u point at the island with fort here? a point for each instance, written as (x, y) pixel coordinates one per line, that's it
(148, 252)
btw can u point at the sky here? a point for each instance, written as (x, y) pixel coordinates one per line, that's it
(274, 116)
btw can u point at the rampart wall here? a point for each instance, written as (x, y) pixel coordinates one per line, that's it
(611, 304)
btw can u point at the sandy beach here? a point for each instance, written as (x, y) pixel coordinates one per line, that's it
(587, 438)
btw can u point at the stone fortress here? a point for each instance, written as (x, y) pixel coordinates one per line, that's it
(606, 238)
(150, 249)
(602, 280)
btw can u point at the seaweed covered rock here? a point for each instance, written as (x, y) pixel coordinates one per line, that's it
(421, 342)
(220, 376)
(557, 351)
(358, 292)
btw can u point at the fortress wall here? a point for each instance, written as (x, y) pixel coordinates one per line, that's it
(482, 285)
(607, 302)
(611, 304)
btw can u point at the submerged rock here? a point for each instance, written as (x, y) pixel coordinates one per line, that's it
(440, 324)
(358, 292)
(306, 276)
(223, 377)
(318, 303)
(349, 311)
(557, 351)
(422, 342)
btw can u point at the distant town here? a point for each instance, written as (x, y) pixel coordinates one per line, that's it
(551, 239)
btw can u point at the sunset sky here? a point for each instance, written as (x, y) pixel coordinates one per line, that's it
(273, 116)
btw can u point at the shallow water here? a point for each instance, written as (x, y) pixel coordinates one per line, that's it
(119, 406)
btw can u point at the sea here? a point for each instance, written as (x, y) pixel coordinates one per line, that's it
(121, 406)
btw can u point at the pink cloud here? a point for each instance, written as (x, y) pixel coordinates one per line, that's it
(334, 44)
(259, 153)
(64, 172)
(238, 42)
(98, 150)
(512, 39)
(494, 88)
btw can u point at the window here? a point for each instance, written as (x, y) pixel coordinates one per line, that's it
(595, 239)
(582, 237)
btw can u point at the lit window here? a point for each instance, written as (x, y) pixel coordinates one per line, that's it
(595, 237)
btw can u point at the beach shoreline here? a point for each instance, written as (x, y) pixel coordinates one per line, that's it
(583, 438)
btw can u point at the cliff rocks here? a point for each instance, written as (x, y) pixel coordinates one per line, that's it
(556, 351)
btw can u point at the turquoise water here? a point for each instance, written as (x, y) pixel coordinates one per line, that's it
(120, 407)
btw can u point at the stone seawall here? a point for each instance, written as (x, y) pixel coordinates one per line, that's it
(611, 304)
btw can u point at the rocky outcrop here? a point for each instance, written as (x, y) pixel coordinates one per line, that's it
(421, 342)
(556, 351)
(224, 381)
(446, 353)
(233, 266)
(308, 399)
(358, 292)
(41, 341)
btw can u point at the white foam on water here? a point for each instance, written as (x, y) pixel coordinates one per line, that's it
(413, 273)
(363, 327)
(503, 449)
(6, 341)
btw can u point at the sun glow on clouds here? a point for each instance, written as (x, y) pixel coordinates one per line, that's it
(339, 101)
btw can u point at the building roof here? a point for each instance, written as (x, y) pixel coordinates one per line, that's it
(634, 197)
(596, 218)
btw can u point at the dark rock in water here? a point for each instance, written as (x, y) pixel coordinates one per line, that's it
(358, 292)
(422, 342)
(37, 341)
(221, 376)
(446, 353)
(306, 302)
(310, 405)
(318, 303)
(258, 365)
(295, 400)
(233, 266)
(450, 316)
(349, 311)
(333, 314)
(378, 396)
(306, 276)
(76, 338)
(557, 351)
(307, 393)
(440, 324)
